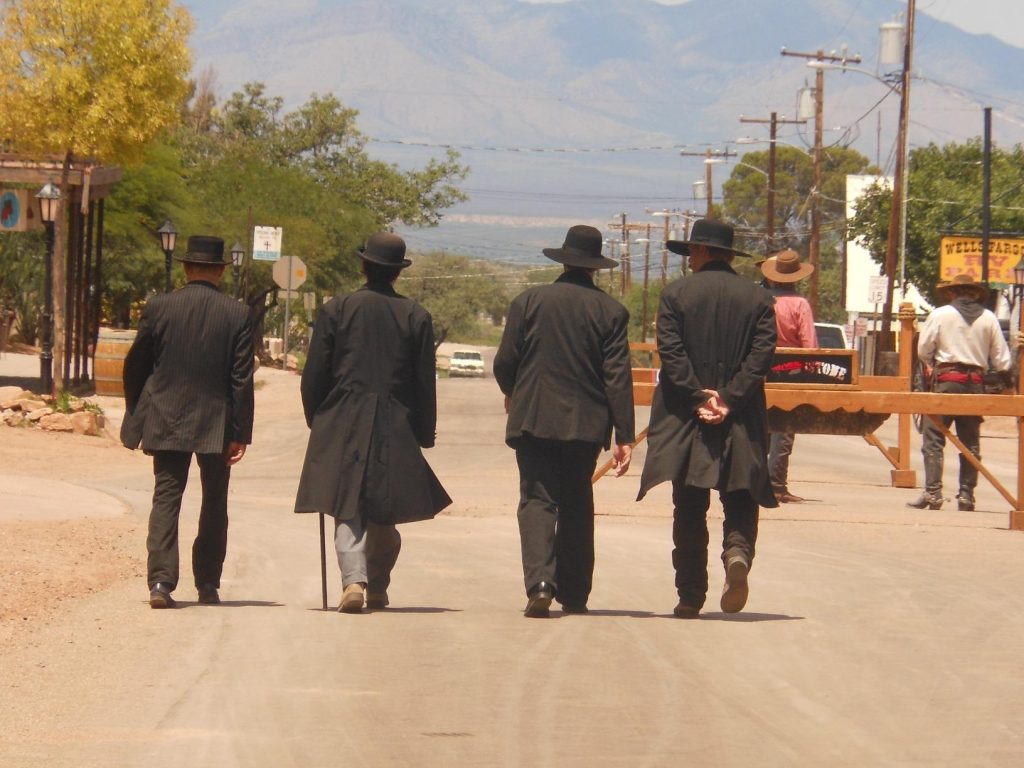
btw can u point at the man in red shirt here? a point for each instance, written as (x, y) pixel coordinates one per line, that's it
(795, 326)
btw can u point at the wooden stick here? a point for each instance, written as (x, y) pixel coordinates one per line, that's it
(323, 561)
(972, 460)
(603, 469)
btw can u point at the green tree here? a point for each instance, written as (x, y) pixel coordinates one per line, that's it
(944, 190)
(89, 79)
(745, 202)
(307, 171)
(457, 291)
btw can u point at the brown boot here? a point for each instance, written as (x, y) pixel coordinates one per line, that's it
(352, 598)
(734, 595)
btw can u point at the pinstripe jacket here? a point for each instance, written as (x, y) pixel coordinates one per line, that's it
(188, 375)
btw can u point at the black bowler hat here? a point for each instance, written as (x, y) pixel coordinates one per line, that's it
(714, 234)
(203, 249)
(582, 248)
(385, 248)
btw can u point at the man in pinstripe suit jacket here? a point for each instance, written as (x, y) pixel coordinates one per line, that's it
(188, 389)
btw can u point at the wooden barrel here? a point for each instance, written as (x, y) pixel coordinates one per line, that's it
(111, 348)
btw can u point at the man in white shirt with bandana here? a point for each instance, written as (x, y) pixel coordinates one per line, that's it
(958, 344)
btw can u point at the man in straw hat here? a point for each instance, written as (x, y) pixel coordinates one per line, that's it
(959, 342)
(716, 338)
(563, 365)
(188, 389)
(369, 396)
(794, 324)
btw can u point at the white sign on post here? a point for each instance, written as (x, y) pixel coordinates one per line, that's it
(266, 243)
(877, 286)
(289, 272)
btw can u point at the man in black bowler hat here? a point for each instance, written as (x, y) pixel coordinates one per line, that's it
(188, 390)
(564, 368)
(369, 396)
(716, 338)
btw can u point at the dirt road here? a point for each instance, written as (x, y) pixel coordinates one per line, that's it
(874, 635)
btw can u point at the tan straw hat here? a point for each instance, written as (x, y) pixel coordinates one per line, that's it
(785, 267)
(944, 290)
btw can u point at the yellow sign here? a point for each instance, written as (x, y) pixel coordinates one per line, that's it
(962, 256)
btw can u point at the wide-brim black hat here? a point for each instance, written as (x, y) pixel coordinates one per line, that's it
(385, 248)
(714, 234)
(582, 248)
(203, 249)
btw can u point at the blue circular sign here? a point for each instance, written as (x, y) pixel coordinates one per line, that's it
(10, 210)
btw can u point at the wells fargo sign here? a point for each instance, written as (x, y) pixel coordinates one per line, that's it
(962, 256)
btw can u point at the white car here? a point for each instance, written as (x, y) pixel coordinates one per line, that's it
(466, 362)
(831, 336)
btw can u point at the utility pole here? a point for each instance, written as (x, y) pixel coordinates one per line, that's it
(774, 121)
(895, 243)
(666, 214)
(622, 228)
(814, 249)
(709, 156)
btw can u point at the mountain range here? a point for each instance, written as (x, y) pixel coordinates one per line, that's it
(576, 111)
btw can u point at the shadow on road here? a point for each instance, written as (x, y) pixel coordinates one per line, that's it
(748, 617)
(406, 609)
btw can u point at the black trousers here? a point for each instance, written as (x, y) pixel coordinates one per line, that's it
(556, 515)
(690, 536)
(170, 469)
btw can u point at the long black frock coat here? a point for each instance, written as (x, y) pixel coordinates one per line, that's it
(716, 330)
(564, 362)
(188, 375)
(369, 396)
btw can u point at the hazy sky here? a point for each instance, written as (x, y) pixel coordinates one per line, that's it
(1002, 18)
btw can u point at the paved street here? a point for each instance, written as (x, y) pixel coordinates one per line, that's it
(875, 635)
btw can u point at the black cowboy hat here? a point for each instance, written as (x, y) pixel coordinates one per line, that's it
(203, 249)
(582, 248)
(385, 248)
(715, 234)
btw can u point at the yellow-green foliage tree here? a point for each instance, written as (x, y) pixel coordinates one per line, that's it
(93, 80)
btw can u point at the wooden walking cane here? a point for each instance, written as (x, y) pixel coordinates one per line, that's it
(323, 561)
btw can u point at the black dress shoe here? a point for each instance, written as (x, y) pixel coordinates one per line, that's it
(538, 601)
(684, 611)
(160, 596)
(570, 608)
(208, 595)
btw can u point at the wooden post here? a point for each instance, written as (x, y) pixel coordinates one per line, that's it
(1017, 515)
(903, 476)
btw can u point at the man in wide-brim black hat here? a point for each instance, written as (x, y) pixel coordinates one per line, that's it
(189, 390)
(369, 397)
(564, 368)
(716, 339)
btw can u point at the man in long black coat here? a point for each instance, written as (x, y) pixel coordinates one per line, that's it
(369, 396)
(188, 389)
(564, 368)
(716, 338)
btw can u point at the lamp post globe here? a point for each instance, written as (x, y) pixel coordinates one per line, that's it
(49, 204)
(168, 237)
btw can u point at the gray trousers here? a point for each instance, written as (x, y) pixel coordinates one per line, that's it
(933, 443)
(781, 446)
(367, 552)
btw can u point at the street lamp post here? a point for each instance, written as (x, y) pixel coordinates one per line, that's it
(168, 237)
(49, 203)
(237, 257)
(1018, 292)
